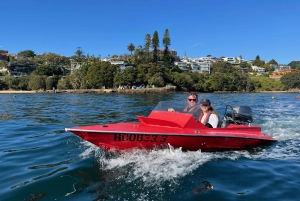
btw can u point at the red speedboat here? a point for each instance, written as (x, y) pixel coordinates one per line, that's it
(162, 128)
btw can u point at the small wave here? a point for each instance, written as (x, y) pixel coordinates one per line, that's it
(22, 150)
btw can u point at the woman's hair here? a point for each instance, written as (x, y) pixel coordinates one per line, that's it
(213, 111)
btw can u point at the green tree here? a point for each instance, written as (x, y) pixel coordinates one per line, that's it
(130, 48)
(198, 79)
(127, 77)
(26, 53)
(53, 59)
(47, 70)
(155, 46)
(101, 74)
(51, 82)
(3, 85)
(291, 80)
(222, 67)
(64, 83)
(37, 82)
(272, 61)
(295, 65)
(14, 83)
(147, 43)
(183, 80)
(167, 43)
(258, 62)
(77, 80)
(79, 55)
(23, 83)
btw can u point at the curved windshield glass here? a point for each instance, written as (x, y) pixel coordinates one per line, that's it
(178, 106)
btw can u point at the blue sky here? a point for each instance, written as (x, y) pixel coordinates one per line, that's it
(268, 28)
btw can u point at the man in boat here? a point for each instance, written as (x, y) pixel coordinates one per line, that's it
(209, 117)
(192, 106)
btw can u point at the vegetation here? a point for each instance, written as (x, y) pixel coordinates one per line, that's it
(291, 80)
(131, 48)
(167, 43)
(155, 46)
(295, 65)
(263, 83)
(51, 70)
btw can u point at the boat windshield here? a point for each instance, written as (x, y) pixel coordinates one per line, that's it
(178, 106)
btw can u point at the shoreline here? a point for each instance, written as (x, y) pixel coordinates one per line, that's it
(126, 91)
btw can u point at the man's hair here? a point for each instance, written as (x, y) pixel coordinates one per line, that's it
(193, 94)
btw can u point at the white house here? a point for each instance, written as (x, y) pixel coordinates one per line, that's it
(229, 59)
(259, 70)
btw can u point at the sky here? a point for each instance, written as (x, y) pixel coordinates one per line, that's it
(197, 28)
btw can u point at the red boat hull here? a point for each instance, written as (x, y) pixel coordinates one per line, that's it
(178, 130)
(186, 142)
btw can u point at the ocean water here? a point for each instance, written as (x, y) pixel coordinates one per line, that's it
(39, 160)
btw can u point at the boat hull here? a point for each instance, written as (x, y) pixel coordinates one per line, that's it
(187, 139)
(162, 128)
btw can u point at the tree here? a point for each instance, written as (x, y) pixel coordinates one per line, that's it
(27, 53)
(77, 80)
(51, 82)
(183, 80)
(101, 74)
(166, 39)
(3, 85)
(291, 80)
(147, 43)
(36, 82)
(47, 70)
(295, 65)
(130, 48)
(79, 54)
(167, 42)
(258, 62)
(52, 59)
(126, 77)
(272, 61)
(155, 46)
(221, 67)
(64, 83)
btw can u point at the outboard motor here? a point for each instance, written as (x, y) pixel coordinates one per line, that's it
(238, 115)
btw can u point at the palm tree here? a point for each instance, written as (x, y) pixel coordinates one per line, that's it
(131, 48)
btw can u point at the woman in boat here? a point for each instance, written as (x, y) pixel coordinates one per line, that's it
(192, 106)
(209, 117)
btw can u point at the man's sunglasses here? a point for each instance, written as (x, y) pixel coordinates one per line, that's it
(192, 100)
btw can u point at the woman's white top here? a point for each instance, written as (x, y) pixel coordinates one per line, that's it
(213, 120)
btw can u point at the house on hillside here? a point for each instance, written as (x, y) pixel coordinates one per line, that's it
(259, 70)
(16, 69)
(229, 59)
(75, 65)
(281, 68)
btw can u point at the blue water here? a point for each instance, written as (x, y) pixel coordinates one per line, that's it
(40, 160)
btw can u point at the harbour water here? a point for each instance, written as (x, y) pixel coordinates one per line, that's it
(41, 161)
